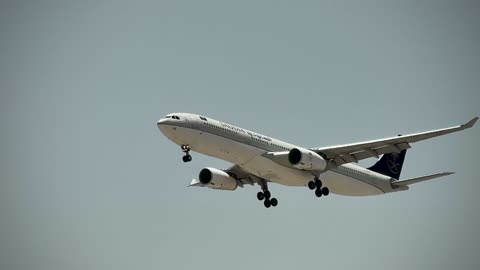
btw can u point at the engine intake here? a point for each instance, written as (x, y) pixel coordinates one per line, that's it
(217, 179)
(295, 156)
(305, 159)
(205, 176)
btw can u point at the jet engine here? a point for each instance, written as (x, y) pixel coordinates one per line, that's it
(217, 179)
(305, 159)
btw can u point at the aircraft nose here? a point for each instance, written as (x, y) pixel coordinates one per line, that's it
(162, 125)
(161, 121)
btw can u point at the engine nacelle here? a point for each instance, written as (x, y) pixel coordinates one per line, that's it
(217, 179)
(305, 159)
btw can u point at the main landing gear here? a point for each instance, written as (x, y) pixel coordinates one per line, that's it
(316, 185)
(265, 196)
(186, 150)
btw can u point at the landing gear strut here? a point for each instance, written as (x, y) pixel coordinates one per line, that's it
(265, 196)
(316, 185)
(186, 150)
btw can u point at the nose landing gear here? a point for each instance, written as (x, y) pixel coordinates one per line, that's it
(316, 185)
(186, 149)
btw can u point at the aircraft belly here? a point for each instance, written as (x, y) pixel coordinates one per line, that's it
(274, 172)
(345, 185)
(217, 146)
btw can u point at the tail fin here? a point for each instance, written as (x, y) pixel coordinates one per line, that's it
(390, 164)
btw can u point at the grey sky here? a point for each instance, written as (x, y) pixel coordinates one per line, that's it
(88, 182)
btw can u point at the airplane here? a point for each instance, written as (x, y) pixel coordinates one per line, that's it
(260, 159)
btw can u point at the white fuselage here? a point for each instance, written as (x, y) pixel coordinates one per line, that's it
(246, 148)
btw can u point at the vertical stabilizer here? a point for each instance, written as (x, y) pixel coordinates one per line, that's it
(390, 164)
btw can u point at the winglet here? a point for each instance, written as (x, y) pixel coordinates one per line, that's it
(470, 123)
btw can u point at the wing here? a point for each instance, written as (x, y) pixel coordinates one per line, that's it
(243, 177)
(340, 154)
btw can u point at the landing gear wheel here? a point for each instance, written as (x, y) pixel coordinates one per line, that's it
(186, 150)
(187, 158)
(267, 194)
(311, 185)
(325, 191)
(267, 203)
(274, 202)
(318, 192)
(318, 183)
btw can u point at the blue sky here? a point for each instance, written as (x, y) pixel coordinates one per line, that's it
(88, 182)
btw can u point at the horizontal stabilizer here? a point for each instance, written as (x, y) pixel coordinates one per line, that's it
(195, 183)
(410, 181)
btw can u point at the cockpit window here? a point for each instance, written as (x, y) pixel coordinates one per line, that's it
(173, 117)
(203, 118)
